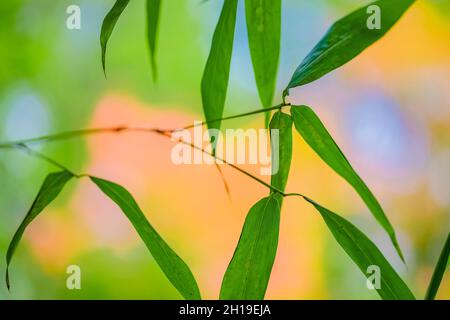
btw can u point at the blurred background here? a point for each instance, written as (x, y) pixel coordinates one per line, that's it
(389, 110)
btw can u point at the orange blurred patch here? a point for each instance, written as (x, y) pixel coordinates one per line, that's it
(56, 240)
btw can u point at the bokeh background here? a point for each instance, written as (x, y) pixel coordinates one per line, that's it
(389, 109)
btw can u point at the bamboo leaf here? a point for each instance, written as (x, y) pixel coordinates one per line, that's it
(318, 138)
(439, 271)
(50, 189)
(264, 28)
(346, 39)
(281, 146)
(364, 254)
(170, 263)
(153, 11)
(248, 273)
(217, 71)
(109, 22)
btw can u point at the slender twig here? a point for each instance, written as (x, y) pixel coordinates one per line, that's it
(74, 134)
(295, 195)
(248, 174)
(23, 147)
(22, 144)
(281, 105)
(225, 183)
(121, 129)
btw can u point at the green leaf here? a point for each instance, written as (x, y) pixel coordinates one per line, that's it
(364, 254)
(50, 189)
(346, 39)
(153, 10)
(281, 151)
(316, 135)
(170, 263)
(248, 273)
(439, 271)
(217, 70)
(109, 22)
(264, 29)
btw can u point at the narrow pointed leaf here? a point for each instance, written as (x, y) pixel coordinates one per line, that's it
(439, 271)
(153, 10)
(217, 71)
(347, 38)
(318, 138)
(281, 146)
(109, 22)
(50, 189)
(364, 254)
(248, 273)
(264, 28)
(170, 263)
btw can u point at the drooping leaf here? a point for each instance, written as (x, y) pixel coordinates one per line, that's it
(439, 271)
(153, 10)
(109, 22)
(217, 70)
(347, 38)
(264, 28)
(248, 273)
(281, 146)
(365, 254)
(170, 263)
(50, 189)
(318, 138)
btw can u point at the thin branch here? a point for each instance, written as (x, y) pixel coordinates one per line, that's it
(295, 195)
(23, 147)
(22, 144)
(121, 129)
(225, 183)
(248, 174)
(73, 134)
(280, 106)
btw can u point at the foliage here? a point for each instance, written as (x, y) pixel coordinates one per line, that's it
(217, 69)
(316, 135)
(248, 273)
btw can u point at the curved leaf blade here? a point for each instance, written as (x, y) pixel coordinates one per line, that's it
(170, 263)
(248, 273)
(264, 29)
(50, 189)
(153, 11)
(315, 134)
(217, 70)
(281, 146)
(346, 39)
(364, 254)
(109, 22)
(439, 271)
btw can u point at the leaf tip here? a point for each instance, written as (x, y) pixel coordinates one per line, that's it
(8, 285)
(398, 248)
(104, 67)
(154, 68)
